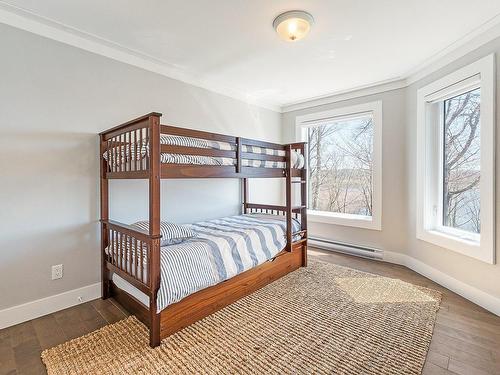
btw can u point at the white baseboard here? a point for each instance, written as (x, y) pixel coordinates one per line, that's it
(479, 297)
(395, 258)
(34, 309)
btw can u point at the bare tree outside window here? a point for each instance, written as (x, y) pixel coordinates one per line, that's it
(462, 156)
(341, 166)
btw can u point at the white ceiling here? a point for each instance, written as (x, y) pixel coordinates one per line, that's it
(230, 44)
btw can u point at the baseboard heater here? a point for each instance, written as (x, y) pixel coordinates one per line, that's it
(345, 248)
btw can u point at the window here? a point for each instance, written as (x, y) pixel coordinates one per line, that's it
(455, 161)
(462, 162)
(344, 165)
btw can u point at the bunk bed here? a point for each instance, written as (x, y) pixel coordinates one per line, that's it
(132, 256)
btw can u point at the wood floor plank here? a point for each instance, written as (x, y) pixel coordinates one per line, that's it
(21, 333)
(462, 345)
(469, 329)
(109, 311)
(471, 310)
(462, 368)
(463, 356)
(473, 320)
(490, 342)
(438, 359)
(27, 357)
(432, 369)
(77, 321)
(91, 317)
(123, 311)
(48, 331)
(7, 359)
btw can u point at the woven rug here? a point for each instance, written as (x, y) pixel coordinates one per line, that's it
(323, 319)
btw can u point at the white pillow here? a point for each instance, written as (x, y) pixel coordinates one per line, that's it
(298, 160)
(170, 233)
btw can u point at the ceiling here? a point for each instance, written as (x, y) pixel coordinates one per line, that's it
(230, 44)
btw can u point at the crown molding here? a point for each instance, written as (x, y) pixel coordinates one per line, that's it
(374, 88)
(45, 27)
(48, 28)
(483, 34)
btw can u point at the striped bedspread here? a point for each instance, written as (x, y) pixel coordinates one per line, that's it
(216, 160)
(122, 154)
(223, 249)
(176, 140)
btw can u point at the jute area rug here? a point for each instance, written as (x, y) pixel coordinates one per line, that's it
(323, 319)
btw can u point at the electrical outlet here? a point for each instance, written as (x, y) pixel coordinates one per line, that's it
(57, 271)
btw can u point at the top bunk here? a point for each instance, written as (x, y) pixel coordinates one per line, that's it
(140, 147)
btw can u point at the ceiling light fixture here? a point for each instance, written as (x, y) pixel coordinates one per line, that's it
(293, 25)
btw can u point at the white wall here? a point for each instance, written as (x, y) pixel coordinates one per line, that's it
(54, 99)
(393, 235)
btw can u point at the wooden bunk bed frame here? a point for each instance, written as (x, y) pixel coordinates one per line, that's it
(120, 164)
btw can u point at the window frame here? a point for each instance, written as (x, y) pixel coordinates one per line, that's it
(428, 227)
(303, 122)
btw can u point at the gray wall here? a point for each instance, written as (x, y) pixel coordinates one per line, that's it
(473, 272)
(54, 99)
(393, 235)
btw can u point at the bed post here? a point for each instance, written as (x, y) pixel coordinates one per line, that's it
(303, 211)
(244, 183)
(154, 227)
(104, 216)
(288, 198)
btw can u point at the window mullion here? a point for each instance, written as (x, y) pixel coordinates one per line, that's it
(441, 162)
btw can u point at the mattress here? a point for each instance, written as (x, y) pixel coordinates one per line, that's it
(122, 154)
(222, 249)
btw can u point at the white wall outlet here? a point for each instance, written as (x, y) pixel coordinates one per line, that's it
(57, 271)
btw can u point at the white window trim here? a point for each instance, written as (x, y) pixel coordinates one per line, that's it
(482, 247)
(375, 108)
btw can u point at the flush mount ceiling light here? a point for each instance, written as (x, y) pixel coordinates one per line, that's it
(293, 25)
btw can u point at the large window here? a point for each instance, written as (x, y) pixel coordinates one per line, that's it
(455, 190)
(344, 152)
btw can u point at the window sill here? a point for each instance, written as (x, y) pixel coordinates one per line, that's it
(464, 246)
(357, 221)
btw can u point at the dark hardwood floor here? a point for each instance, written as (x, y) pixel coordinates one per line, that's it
(466, 337)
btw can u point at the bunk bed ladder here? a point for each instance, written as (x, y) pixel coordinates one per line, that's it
(303, 212)
(302, 209)
(289, 227)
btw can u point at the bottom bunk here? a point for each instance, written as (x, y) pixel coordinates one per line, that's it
(223, 261)
(207, 301)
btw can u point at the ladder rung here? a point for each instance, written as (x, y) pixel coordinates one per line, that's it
(299, 182)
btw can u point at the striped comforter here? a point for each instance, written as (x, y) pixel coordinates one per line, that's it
(223, 248)
(121, 155)
(217, 160)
